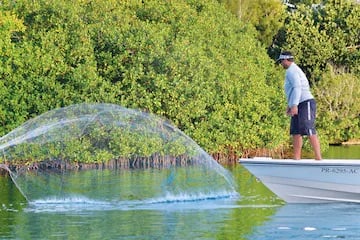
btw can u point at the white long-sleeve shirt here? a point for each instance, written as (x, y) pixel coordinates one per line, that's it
(296, 86)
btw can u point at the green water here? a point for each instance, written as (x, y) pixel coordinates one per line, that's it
(343, 152)
(256, 214)
(208, 219)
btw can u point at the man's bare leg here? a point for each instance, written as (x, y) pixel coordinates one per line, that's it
(314, 141)
(297, 145)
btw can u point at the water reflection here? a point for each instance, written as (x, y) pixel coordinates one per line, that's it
(343, 152)
(311, 221)
(257, 214)
(114, 224)
(226, 218)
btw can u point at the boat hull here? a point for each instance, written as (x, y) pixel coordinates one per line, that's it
(308, 181)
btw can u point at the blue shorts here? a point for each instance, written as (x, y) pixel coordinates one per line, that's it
(304, 122)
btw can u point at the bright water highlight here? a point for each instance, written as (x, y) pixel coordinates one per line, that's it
(312, 221)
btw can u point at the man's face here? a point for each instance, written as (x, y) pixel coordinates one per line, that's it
(285, 63)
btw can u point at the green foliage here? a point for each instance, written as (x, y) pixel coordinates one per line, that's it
(11, 111)
(306, 2)
(339, 111)
(325, 34)
(189, 61)
(98, 143)
(267, 16)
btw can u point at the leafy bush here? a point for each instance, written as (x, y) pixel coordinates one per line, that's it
(189, 61)
(325, 34)
(339, 94)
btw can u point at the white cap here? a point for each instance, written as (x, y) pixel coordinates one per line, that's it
(284, 56)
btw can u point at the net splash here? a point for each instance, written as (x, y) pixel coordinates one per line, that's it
(108, 153)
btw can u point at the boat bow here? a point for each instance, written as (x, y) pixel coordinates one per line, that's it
(308, 180)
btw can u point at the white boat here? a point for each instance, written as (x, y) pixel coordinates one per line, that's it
(308, 180)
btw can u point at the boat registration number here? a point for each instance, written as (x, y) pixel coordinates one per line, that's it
(340, 170)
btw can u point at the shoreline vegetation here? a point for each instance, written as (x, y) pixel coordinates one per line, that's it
(120, 163)
(57, 166)
(206, 68)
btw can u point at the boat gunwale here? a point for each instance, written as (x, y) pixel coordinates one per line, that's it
(302, 162)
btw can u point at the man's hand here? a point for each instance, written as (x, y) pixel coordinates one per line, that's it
(292, 111)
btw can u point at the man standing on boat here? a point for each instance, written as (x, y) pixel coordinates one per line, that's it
(301, 105)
